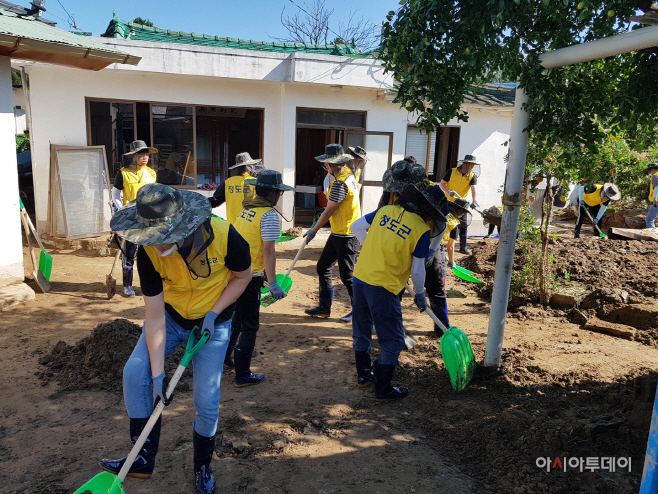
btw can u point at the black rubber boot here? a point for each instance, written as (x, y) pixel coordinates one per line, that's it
(463, 235)
(383, 389)
(576, 233)
(228, 360)
(145, 462)
(439, 306)
(243, 375)
(324, 307)
(363, 369)
(203, 450)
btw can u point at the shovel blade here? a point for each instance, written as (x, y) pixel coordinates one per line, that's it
(103, 483)
(458, 357)
(45, 264)
(465, 274)
(266, 298)
(111, 284)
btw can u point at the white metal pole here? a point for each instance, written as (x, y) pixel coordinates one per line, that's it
(512, 199)
(639, 39)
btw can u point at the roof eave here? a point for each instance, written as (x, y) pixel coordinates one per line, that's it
(61, 54)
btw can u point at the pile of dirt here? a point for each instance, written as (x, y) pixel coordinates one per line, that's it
(502, 423)
(295, 231)
(96, 362)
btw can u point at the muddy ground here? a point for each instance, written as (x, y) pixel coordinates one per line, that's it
(563, 391)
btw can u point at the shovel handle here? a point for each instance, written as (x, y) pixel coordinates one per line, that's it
(299, 253)
(429, 311)
(191, 349)
(592, 220)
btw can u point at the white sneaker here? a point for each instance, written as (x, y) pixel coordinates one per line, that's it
(128, 291)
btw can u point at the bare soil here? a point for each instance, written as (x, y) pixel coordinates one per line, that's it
(563, 391)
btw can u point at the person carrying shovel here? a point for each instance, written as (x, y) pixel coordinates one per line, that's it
(193, 267)
(593, 201)
(341, 247)
(259, 225)
(232, 190)
(127, 183)
(396, 246)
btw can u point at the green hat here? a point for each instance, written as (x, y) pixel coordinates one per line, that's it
(358, 152)
(611, 191)
(137, 146)
(401, 174)
(161, 215)
(270, 179)
(334, 154)
(244, 159)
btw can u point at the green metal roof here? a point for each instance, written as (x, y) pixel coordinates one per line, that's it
(129, 30)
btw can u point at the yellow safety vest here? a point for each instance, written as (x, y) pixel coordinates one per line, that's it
(194, 298)
(594, 198)
(450, 226)
(248, 226)
(235, 195)
(459, 183)
(134, 179)
(651, 189)
(348, 210)
(357, 175)
(385, 258)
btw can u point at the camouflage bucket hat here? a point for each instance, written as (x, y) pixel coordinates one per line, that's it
(458, 207)
(358, 152)
(137, 146)
(244, 159)
(402, 174)
(611, 191)
(333, 153)
(430, 203)
(270, 179)
(161, 215)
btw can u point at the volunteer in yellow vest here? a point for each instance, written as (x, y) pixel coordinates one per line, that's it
(396, 246)
(232, 190)
(456, 183)
(359, 158)
(259, 225)
(192, 267)
(652, 170)
(127, 182)
(594, 199)
(343, 209)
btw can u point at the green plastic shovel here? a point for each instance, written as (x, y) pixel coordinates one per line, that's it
(109, 483)
(465, 274)
(456, 350)
(283, 280)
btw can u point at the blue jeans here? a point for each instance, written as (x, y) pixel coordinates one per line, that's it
(208, 369)
(376, 305)
(652, 214)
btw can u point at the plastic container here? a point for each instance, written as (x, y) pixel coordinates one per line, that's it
(305, 201)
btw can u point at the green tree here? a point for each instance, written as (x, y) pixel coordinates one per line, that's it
(143, 22)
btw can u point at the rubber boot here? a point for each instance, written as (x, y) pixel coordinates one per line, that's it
(576, 233)
(439, 306)
(383, 389)
(145, 462)
(203, 450)
(128, 282)
(324, 307)
(243, 375)
(228, 360)
(463, 248)
(363, 369)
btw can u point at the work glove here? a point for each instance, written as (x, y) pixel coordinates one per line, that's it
(452, 193)
(276, 291)
(429, 260)
(596, 221)
(160, 384)
(420, 299)
(209, 323)
(654, 204)
(474, 205)
(310, 235)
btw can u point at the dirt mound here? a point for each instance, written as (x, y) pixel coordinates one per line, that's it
(295, 231)
(503, 422)
(96, 362)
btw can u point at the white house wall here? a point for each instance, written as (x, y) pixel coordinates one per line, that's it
(58, 105)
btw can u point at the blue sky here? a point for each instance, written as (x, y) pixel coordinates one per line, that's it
(251, 19)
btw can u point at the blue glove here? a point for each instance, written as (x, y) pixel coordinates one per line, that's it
(209, 323)
(474, 205)
(276, 291)
(421, 301)
(429, 260)
(310, 235)
(160, 384)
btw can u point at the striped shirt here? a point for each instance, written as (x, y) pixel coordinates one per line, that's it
(270, 227)
(338, 191)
